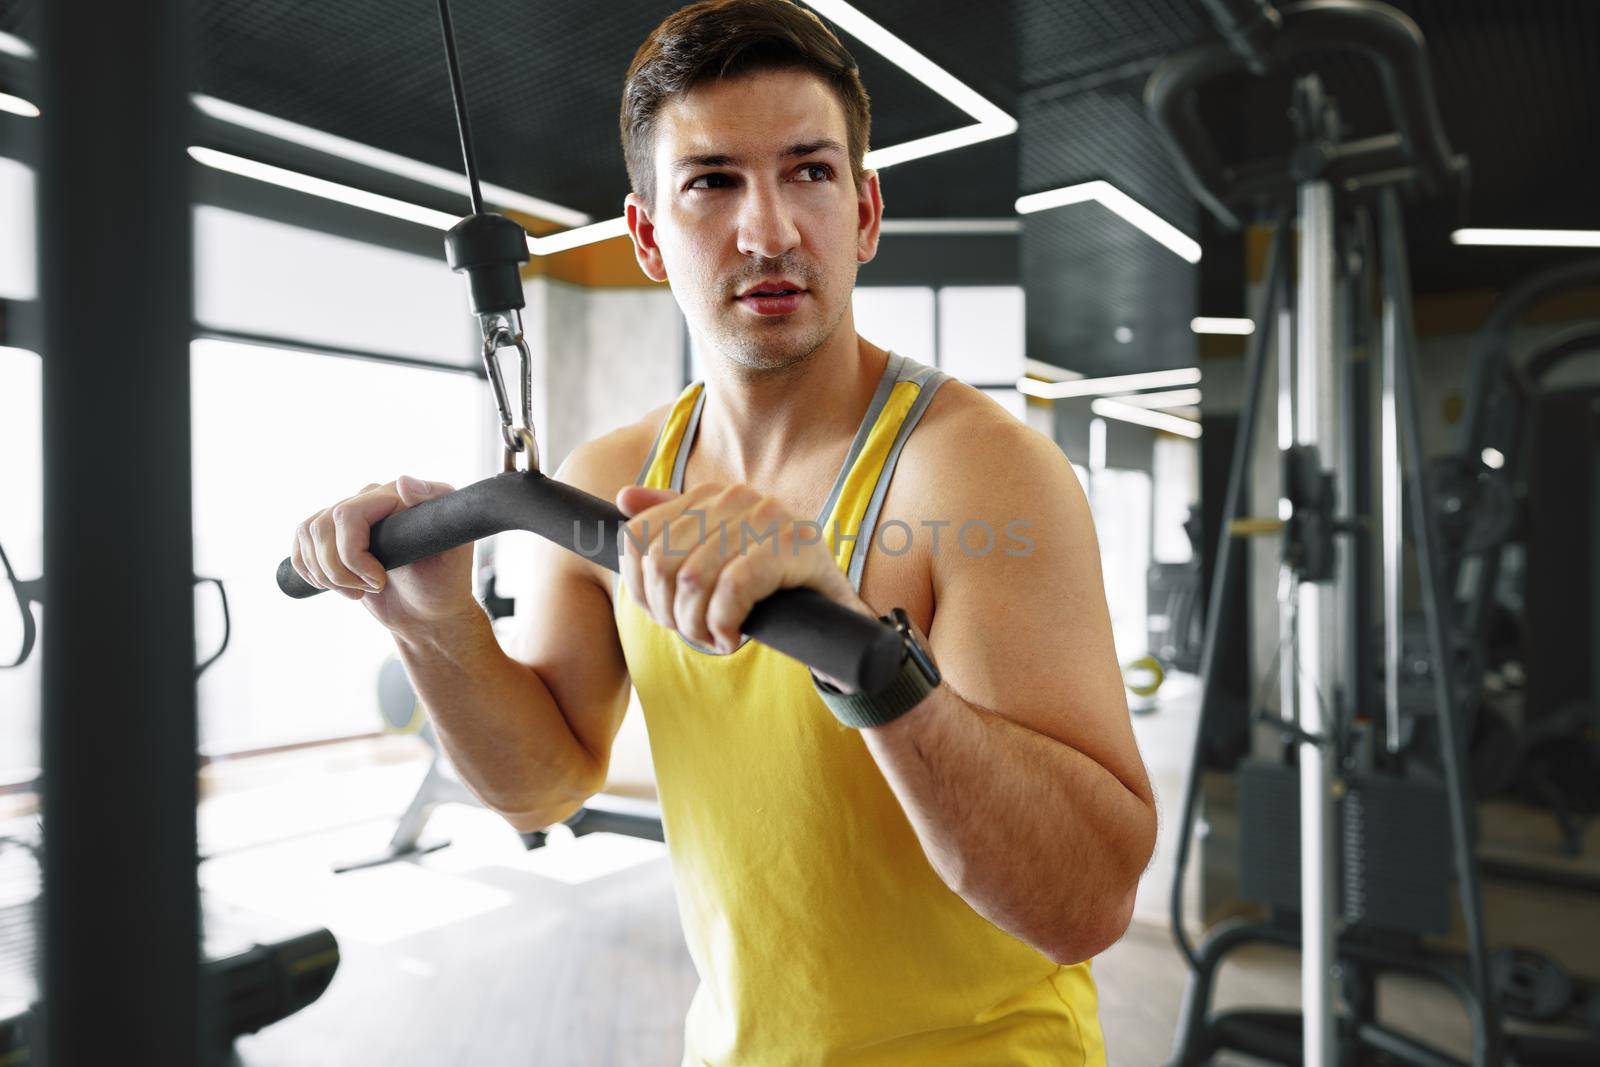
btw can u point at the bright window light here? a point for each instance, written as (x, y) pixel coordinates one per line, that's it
(378, 159)
(1119, 383)
(18, 106)
(1097, 445)
(1156, 420)
(15, 46)
(1114, 199)
(1231, 327)
(1529, 238)
(1171, 398)
(304, 183)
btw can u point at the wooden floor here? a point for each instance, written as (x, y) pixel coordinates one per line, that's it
(483, 953)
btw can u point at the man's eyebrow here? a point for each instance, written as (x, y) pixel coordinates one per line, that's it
(718, 159)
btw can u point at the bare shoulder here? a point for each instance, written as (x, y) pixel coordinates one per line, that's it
(604, 465)
(971, 457)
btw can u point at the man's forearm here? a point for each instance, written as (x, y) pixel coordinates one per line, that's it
(499, 724)
(1037, 837)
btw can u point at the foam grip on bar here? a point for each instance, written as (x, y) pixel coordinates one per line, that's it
(845, 645)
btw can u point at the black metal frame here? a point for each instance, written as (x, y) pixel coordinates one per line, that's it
(121, 963)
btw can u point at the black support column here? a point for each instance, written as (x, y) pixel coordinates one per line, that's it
(120, 977)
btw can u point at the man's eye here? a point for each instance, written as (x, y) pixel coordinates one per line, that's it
(710, 181)
(816, 172)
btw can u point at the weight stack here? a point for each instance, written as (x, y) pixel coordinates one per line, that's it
(1392, 839)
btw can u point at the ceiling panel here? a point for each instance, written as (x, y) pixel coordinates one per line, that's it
(1516, 82)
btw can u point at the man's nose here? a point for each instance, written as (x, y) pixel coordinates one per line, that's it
(766, 224)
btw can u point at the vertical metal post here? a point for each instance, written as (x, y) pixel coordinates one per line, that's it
(1316, 402)
(1390, 503)
(1435, 595)
(1288, 671)
(120, 969)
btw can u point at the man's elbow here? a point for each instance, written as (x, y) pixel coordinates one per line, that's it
(1101, 923)
(1099, 929)
(548, 809)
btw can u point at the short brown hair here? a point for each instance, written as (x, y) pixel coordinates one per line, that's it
(723, 38)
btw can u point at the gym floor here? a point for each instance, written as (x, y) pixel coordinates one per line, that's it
(485, 953)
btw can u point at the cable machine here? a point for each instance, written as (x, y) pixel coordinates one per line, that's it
(1351, 836)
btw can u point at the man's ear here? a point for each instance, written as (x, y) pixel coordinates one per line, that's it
(869, 216)
(643, 232)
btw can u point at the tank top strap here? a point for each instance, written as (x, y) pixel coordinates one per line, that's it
(663, 467)
(850, 519)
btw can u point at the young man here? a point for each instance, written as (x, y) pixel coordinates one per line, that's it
(914, 876)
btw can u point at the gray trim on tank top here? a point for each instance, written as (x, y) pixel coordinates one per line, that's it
(680, 462)
(929, 380)
(880, 397)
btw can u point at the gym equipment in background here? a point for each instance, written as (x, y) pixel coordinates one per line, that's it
(1345, 841)
(402, 713)
(1526, 472)
(32, 591)
(1174, 592)
(259, 971)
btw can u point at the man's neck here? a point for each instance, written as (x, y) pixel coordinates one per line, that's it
(755, 423)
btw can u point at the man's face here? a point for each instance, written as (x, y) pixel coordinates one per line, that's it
(757, 222)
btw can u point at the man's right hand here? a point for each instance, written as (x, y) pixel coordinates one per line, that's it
(331, 552)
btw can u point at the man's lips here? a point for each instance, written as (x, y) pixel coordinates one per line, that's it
(771, 287)
(775, 303)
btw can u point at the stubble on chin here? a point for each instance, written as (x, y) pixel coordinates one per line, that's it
(747, 349)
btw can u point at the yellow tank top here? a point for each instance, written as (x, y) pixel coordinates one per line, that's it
(820, 932)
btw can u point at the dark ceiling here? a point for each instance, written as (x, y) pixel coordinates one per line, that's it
(1516, 82)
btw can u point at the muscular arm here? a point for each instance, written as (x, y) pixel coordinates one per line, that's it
(1020, 774)
(530, 732)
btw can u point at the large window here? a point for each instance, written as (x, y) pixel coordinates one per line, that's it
(257, 276)
(318, 428)
(897, 318)
(22, 534)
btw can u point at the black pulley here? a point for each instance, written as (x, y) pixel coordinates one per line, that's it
(490, 250)
(1529, 985)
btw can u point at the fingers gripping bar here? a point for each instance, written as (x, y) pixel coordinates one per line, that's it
(801, 623)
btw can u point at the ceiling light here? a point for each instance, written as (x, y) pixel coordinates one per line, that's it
(991, 121)
(1123, 335)
(1114, 199)
(1231, 327)
(1529, 238)
(304, 183)
(1156, 420)
(1171, 398)
(1119, 383)
(378, 159)
(1493, 458)
(15, 46)
(583, 235)
(951, 227)
(18, 106)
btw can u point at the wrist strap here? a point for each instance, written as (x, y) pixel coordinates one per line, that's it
(858, 710)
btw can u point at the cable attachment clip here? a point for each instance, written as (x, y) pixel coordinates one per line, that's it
(490, 250)
(501, 332)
